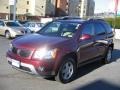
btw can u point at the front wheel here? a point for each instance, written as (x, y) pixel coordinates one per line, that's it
(7, 35)
(108, 56)
(67, 71)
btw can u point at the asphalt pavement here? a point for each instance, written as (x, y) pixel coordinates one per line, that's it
(95, 76)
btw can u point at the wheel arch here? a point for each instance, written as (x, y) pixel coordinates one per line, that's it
(71, 54)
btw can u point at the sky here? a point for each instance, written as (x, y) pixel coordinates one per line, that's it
(104, 6)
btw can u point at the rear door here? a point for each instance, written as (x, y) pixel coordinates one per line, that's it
(100, 38)
(87, 50)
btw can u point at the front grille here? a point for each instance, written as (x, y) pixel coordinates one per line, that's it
(24, 53)
(21, 52)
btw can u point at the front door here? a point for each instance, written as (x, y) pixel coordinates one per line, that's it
(87, 50)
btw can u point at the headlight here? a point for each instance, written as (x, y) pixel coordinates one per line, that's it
(44, 53)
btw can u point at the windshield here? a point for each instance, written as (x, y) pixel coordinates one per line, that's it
(13, 24)
(40, 24)
(60, 29)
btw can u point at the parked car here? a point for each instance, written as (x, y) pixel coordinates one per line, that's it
(12, 29)
(34, 26)
(60, 47)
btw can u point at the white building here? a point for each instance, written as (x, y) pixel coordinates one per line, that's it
(29, 7)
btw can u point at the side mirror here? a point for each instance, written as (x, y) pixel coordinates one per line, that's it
(85, 37)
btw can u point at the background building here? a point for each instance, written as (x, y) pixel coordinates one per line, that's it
(36, 7)
(28, 8)
(73, 7)
(81, 8)
(4, 9)
(61, 7)
(86, 8)
(90, 7)
(47, 8)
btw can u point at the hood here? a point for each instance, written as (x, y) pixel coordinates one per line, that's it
(35, 41)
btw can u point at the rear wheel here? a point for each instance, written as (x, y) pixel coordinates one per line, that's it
(67, 71)
(108, 56)
(7, 35)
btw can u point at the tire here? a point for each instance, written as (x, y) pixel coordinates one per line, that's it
(7, 35)
(67, 71)
(108, 56)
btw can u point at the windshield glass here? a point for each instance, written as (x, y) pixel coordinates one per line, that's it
(60, 29)
(40, 24)
(13, 24)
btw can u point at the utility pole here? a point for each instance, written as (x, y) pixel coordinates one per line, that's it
(12, 4)
(14, 13)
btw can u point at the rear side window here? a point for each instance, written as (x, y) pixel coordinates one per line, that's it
(107, 27)
(88, 29)
(99, 29)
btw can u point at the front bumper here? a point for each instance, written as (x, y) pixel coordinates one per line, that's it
(15, 34)
(44, 69)
(23, 66)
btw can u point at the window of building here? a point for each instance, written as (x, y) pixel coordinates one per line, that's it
(27, 10)
(27, 2)
(7, 7)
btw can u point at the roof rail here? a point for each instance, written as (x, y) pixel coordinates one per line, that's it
(68, 18)
(96, 18)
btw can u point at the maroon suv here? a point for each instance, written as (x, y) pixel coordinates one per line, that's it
(61, 46)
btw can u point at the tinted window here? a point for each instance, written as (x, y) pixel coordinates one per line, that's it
(99, 29)
(13, 24)
(107, 27)
(88, 29)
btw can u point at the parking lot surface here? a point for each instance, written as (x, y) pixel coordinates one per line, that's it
(95, 76)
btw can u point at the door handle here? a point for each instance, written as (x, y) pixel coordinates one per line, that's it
(102, 41)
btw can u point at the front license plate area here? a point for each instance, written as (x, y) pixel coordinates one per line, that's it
(16, 63)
